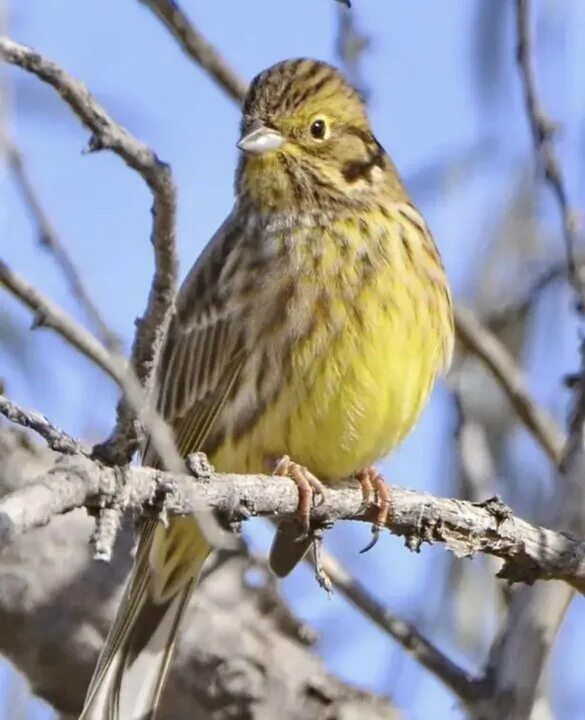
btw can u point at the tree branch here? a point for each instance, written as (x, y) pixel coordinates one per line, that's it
(56, 606)
(529, 552)
(49, 314)
(107, 134)
(56, 439)
(494, 355)
(543, 131)
(49, 239)
(197, 47)
(460, 683)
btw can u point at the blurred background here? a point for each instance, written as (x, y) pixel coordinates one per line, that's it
(445, 98)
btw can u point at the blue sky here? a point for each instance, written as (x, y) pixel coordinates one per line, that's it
(445, 102)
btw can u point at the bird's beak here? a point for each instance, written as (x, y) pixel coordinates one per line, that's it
(260, 139)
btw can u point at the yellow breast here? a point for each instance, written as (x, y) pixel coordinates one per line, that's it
(367, 329)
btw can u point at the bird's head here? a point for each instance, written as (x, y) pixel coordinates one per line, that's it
(306, 140)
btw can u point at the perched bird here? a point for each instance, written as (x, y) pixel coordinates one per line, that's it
(306, 340)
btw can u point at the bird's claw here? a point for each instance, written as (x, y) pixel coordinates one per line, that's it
(310, 491)
(376, 493)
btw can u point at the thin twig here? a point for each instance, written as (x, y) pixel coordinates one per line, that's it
(461, 683)
(486, 346)
(108, 134)
(49, 239)
(55, 438)
(350, 46)
(49, 314)
(197, 47)
(543, 132)
(517, 308)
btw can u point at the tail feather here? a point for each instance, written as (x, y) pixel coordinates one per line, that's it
(135, 659)
(287, 550)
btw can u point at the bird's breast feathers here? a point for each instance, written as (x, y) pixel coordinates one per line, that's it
(348, 340)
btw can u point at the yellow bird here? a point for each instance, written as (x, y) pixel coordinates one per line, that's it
(312, 326)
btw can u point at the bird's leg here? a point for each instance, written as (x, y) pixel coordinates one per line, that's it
(320, 575)
(375, 492)
(308, 485)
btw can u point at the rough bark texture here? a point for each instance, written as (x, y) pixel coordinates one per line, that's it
(240, 654)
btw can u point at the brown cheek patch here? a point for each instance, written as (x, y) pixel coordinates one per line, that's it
(355, 170)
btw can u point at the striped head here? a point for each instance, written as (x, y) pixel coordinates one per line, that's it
(306, 141)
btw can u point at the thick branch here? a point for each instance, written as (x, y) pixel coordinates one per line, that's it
(108, 134)
(56, 606)
(529, 552)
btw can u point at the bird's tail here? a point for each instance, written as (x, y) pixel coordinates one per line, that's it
(287, 549)
(130, 673)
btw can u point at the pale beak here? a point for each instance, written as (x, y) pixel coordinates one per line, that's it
(260, 139)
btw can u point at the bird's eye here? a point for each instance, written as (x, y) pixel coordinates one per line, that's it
(318, 129)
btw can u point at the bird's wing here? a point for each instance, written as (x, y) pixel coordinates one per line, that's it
(203, 351)
(201, 359)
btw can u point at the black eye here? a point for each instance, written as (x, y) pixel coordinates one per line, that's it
(318, 129)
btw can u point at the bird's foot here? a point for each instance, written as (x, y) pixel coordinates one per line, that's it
(310, 488)
(198, 465)
(375, 493)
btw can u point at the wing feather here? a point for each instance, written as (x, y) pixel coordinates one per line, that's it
(204, 350)
(201, 359)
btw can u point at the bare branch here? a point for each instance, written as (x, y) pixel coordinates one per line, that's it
(56, 439)
(49, 239)
(48, 314)
(109, 135)
(543, 132)
(461, 683)
(529, 552)
(486, 346)
(108, 522)
(195, 46)
(518, 656)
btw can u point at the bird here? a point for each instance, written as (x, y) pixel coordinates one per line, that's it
(306, 340)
